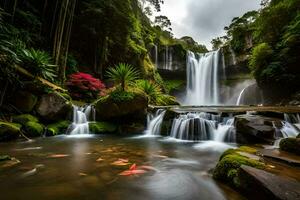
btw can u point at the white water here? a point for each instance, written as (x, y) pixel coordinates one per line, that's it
(239, 100)
(203, 127)
(154, 122)
(81, 118)
(156, 55)
(202, 78)
(168, 59)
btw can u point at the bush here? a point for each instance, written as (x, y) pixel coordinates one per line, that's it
(39, 63)
(84, 86)
(120, 96)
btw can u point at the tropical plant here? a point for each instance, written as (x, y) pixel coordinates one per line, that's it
(123, 74)
(85, 86)
(151, 89)
(39, 63)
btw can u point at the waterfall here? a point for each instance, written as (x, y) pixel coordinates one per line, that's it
(154, 122)
(234, 60)
(203, 126)
(156, 55)
(81, 118)
(292, 118)
(240, 98)
(202, 78)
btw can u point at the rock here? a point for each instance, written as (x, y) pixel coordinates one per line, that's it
(110, 109)
(102, 127)
(134, 128)
(53, 107)
(264, 185)
(25, 101)
(281, 156)
(227, 169)
(23, 119)
(9, 131)
(33, 129)
(253, 129)
(57, 128)
(291, 145)
(4, 158)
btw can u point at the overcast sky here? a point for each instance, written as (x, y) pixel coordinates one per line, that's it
(204, 19)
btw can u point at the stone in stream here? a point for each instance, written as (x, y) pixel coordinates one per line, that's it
(9, 131)
(253, 129)
(269, 186)
(291, 145)
(281, 156)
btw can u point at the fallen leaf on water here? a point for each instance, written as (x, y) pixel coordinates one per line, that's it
(99, 160)
(271, 166)
(59, 156)
(121, 162)
(149, 168)
(29, 173)
(82, 174)
(132, 172)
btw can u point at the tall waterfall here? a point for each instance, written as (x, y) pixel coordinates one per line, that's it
(154, 122)
(81, 118)
(203, 126)
(156, 55)
(203, 78)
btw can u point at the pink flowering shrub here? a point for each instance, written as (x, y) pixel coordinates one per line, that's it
(85, 86)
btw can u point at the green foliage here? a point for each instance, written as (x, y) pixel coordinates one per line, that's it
(172, 85)
(152, 90)
(123, 74)
(58, 128)
(39, 63)
(33, 129)
(261, 55)
(23, 119)
(121, 96)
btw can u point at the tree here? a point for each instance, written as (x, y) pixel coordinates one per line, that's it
(163, 22)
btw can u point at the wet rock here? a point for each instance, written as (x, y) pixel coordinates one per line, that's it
(53, 107)
(108, 108)
(227, 169)
(102, 127)
(265, 185)
(25, 101)
(291, 145)
(57, 128)
(9, 131)
(253, 129)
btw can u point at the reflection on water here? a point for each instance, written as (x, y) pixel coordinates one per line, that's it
(82, 168)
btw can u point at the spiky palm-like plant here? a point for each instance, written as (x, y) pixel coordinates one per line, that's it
(152, 90)
(123, 74)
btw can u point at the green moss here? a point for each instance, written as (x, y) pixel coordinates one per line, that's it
(33, 129)
(9, 131)
(23, 119)
(102, 127)
(229, 165)
(121, 96)
(291, 145)
(58, 128)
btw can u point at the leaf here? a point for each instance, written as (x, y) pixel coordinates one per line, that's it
(132, 172)
(99, 160)
(133, 167)
(58, 156)
(121, 162)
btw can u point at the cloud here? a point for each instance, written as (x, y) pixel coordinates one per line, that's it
(205, 19)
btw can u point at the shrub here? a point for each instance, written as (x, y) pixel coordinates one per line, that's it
(123, 74)
(152, 90)
(39, 63)
(84, 86)
(120, 96)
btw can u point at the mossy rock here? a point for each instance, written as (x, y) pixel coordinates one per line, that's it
(58, 128)
(23, 119)
(4, 158)
(34, 129)
(9, 131)
(102, 127)
(228, 168)
(25, 101)
(291, 145)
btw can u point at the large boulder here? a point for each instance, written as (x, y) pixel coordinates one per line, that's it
(291, 145)
(25, 101)
(109, 108)
(34, 129)
(102, 127)
(253, 129)
(9, 131)
(57, 128)
(54, 107)
(23, 119)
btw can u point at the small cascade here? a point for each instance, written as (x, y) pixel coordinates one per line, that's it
(292, 118)
(154, 122)
(81, 118)
(202, 127)
(167, 56)
(203, 78)
(240, 98)
(234, 60)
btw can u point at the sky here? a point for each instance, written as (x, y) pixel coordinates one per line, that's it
(204, 19)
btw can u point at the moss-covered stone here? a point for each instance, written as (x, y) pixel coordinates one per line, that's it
(102, 127)
(33, 129)
(227, 169)
(23, 119)
(291, 145)
(4, 158)
(9, 131)
(58, 128)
